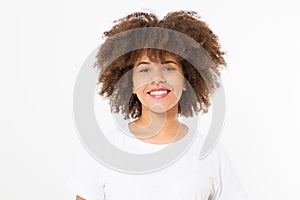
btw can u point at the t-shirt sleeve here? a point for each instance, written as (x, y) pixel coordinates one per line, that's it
(227, 186)
(85, 180)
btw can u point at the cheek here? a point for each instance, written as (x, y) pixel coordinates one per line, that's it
(138, 87)
(139, 82)
(176, 81)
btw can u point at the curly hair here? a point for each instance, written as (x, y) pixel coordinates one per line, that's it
(115, 76)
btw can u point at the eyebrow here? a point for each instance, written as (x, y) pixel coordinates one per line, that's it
(141, 63)
(165, 62)
(169, 61)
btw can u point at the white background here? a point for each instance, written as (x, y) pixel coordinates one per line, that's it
(44, 43)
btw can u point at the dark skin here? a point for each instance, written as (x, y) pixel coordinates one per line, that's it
(159, 122)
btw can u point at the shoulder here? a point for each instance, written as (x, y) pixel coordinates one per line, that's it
(226, 181)
(86, 178)
(219, 157)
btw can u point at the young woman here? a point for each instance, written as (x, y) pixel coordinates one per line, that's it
(157, 86)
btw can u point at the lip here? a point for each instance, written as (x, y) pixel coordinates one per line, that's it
(159, 95)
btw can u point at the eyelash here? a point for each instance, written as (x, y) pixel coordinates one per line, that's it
(165, 69)
(169, 68)
(144, 70)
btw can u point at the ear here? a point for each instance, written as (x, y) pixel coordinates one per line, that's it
(184, 87)
(133, 90)
(185, 82)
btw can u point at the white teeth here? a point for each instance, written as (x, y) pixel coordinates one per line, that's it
(159, 92)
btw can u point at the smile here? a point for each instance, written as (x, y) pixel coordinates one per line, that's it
(159, 93)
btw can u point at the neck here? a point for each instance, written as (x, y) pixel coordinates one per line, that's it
(165, 119)
(152, 124)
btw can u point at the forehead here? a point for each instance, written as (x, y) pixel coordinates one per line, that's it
(157, 56)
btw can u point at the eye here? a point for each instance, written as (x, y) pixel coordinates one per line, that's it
(144, 70)
(168, 69)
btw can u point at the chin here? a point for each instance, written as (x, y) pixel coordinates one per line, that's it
(160, 108)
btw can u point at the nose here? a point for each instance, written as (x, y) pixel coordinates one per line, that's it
(157, 77)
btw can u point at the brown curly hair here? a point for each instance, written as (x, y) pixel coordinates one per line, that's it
(115, 76)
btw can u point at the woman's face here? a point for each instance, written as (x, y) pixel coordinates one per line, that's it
(158, 85)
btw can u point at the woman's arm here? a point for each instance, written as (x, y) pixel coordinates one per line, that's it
(79, 198)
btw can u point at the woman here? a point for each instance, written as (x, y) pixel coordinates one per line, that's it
(153, 87)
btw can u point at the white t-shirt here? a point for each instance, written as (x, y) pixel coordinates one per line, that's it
(189, 178)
